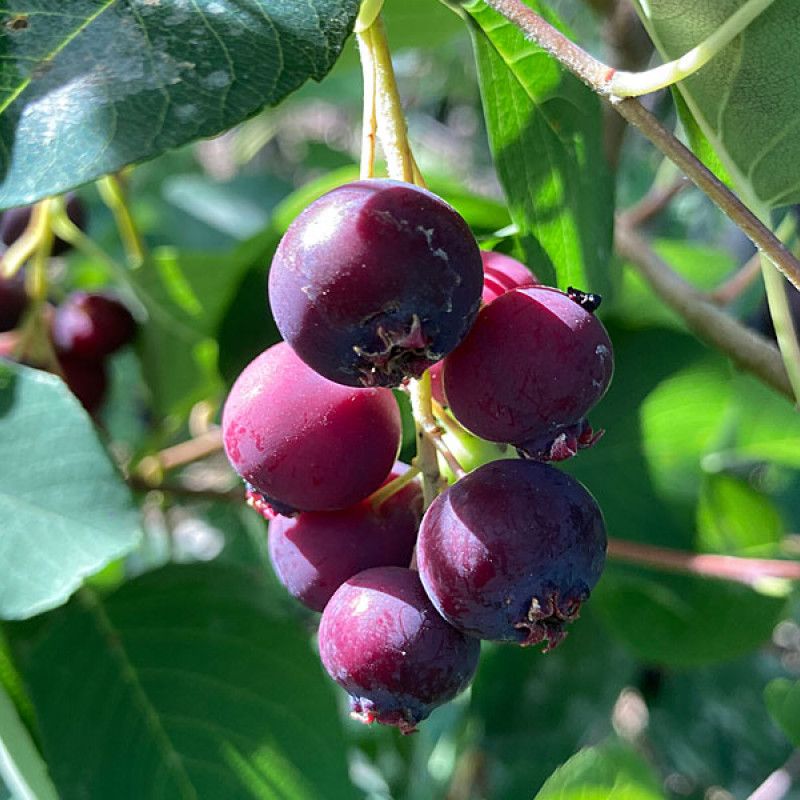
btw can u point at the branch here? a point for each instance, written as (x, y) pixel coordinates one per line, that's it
(749, 350)
(181, 490)
(596, 76)
(731, 568)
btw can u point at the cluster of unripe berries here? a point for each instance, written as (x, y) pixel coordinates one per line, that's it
(85, 328)
(373, 284)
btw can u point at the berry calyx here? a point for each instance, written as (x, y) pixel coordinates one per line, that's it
(374, 282)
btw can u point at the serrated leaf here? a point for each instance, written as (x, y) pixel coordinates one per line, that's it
(545, 131)
(746, 100)
(21, 764)
(64, 510)
(783, 703)
(610, 771)
(179, 685)
(91, 86)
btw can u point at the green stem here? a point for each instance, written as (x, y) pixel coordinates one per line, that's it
(113, 194)
(426, 428)
(370, 121)
(367, 14)
(633, 84)
(380, 496)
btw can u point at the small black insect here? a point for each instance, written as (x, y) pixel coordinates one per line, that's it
(585, 300)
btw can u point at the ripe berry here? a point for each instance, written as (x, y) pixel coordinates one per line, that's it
(511, 551)
(317, 551)
(14, 221)
(13, 301)
(374, 282)
(303, 442)
(88, 380)
(501, 273)
(384, 643)
(532, 366)
(92, 326)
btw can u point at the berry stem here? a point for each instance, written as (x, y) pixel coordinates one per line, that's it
(380, 496)
(391, 121)
(33, 238)
(370, 121)
(749, 571)
(179, 455)
(112, 191)
(425, 425)
(633, 84)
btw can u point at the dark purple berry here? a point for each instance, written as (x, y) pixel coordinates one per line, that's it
(13, 301)
(501, 273)
(533, 365)
(14, 221)
(303, 442)
(511, 551)
(92, 326)
(385, 644)
(316, 552)
(374, 282)
(88, 380)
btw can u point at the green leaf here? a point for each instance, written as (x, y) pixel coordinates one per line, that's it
(733, 517)
(111, 84)
(610, 771)
(21, 764)
(535, 709)
(545, 131)
(746, 100)
(783, 703)
(182, 684)
(66, 511)
(683, 621)
(185, 295)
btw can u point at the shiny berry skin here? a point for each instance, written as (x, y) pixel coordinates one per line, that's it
(316, 552)
(511, 551)
(13, 301)
(92, 326)
(530, 369)
(374, 282)
(303, 442)
(384, 643)
(501, 273)
(14, 221)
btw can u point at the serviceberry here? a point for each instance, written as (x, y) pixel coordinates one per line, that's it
(511, 551)
(374, 282)
(381, 639)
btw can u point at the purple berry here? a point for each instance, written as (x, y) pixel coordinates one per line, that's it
(14, 221)
(92, 326)
(316, 552)
(530, 369)
(511, 551)
(374, 282)
(303, 442)
(88, 380)
(501, 273)
(384, 643)
(13, 301)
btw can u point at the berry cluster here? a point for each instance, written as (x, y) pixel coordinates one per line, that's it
(83, 330)
(372, 285)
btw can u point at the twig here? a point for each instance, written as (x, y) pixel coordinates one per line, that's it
(749, 350)
(181, 490)
(731, 568)
(728, 291)
(655, 201)
(596, 75)
(778, 784)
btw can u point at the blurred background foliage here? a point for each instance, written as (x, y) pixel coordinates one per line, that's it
(663, 679)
